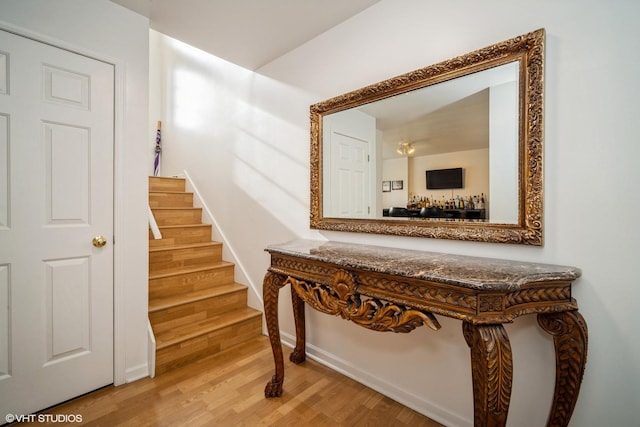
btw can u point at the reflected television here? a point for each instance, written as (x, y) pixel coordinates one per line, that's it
(440, 179)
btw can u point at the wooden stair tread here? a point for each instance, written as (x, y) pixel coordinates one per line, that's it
(172, 208)
(158, 304)
(166, 178)
(195, 329)
(158, 183)
(169, 227)
(195, 306)
(184, 246)
(169, 192)
(182, 270)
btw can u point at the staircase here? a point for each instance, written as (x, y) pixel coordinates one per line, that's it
(195, 307)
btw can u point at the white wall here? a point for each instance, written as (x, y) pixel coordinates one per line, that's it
(238, 136)
(396, 170)
(503, 152)
(244, 138)
(111, 33)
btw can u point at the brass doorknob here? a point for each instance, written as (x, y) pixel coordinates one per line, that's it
(99, 241)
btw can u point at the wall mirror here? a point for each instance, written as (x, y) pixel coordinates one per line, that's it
(451, 151)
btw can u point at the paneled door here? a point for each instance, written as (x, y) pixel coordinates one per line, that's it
(350, 176)
(349, 141)
(56, 225)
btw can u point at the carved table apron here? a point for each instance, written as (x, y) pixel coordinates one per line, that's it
(388, 289)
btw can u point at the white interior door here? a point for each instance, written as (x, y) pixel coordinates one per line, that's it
(350, 176)
(56, 195)
(349, 141)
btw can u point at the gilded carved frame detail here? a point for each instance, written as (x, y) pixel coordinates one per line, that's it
(529, 50)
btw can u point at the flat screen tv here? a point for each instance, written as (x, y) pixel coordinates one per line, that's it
(440, 179)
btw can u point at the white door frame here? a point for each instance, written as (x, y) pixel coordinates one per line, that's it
(119, 338)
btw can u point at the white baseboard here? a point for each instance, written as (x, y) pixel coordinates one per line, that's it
(417, 403)
(147, 369)
(151, 350)
(137, 372)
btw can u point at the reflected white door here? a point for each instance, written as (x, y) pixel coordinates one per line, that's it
(56, 195)
(350, 176)
(349, 141)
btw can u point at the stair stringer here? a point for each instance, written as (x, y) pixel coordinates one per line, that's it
(228, 252)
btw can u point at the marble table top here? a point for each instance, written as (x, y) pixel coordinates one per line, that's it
(458, 270)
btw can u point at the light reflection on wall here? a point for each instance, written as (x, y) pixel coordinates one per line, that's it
(189, 104)
(269, 168)
(222, 126)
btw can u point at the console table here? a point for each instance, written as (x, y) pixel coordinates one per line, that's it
(398, 290)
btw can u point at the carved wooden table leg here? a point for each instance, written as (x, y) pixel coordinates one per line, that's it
(270, 291)
(299, 353)
(492, 372)
(569, 331)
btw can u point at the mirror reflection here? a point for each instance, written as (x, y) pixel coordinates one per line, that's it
(449, 151)
(462, 134)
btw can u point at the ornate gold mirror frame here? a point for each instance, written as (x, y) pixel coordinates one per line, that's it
(528, 51)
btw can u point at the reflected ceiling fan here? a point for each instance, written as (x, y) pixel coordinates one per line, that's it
(405, 148)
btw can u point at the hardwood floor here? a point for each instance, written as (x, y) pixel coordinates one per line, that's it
(227, 389)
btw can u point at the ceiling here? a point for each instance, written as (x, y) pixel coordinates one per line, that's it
(442, 118)
(249, 33)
